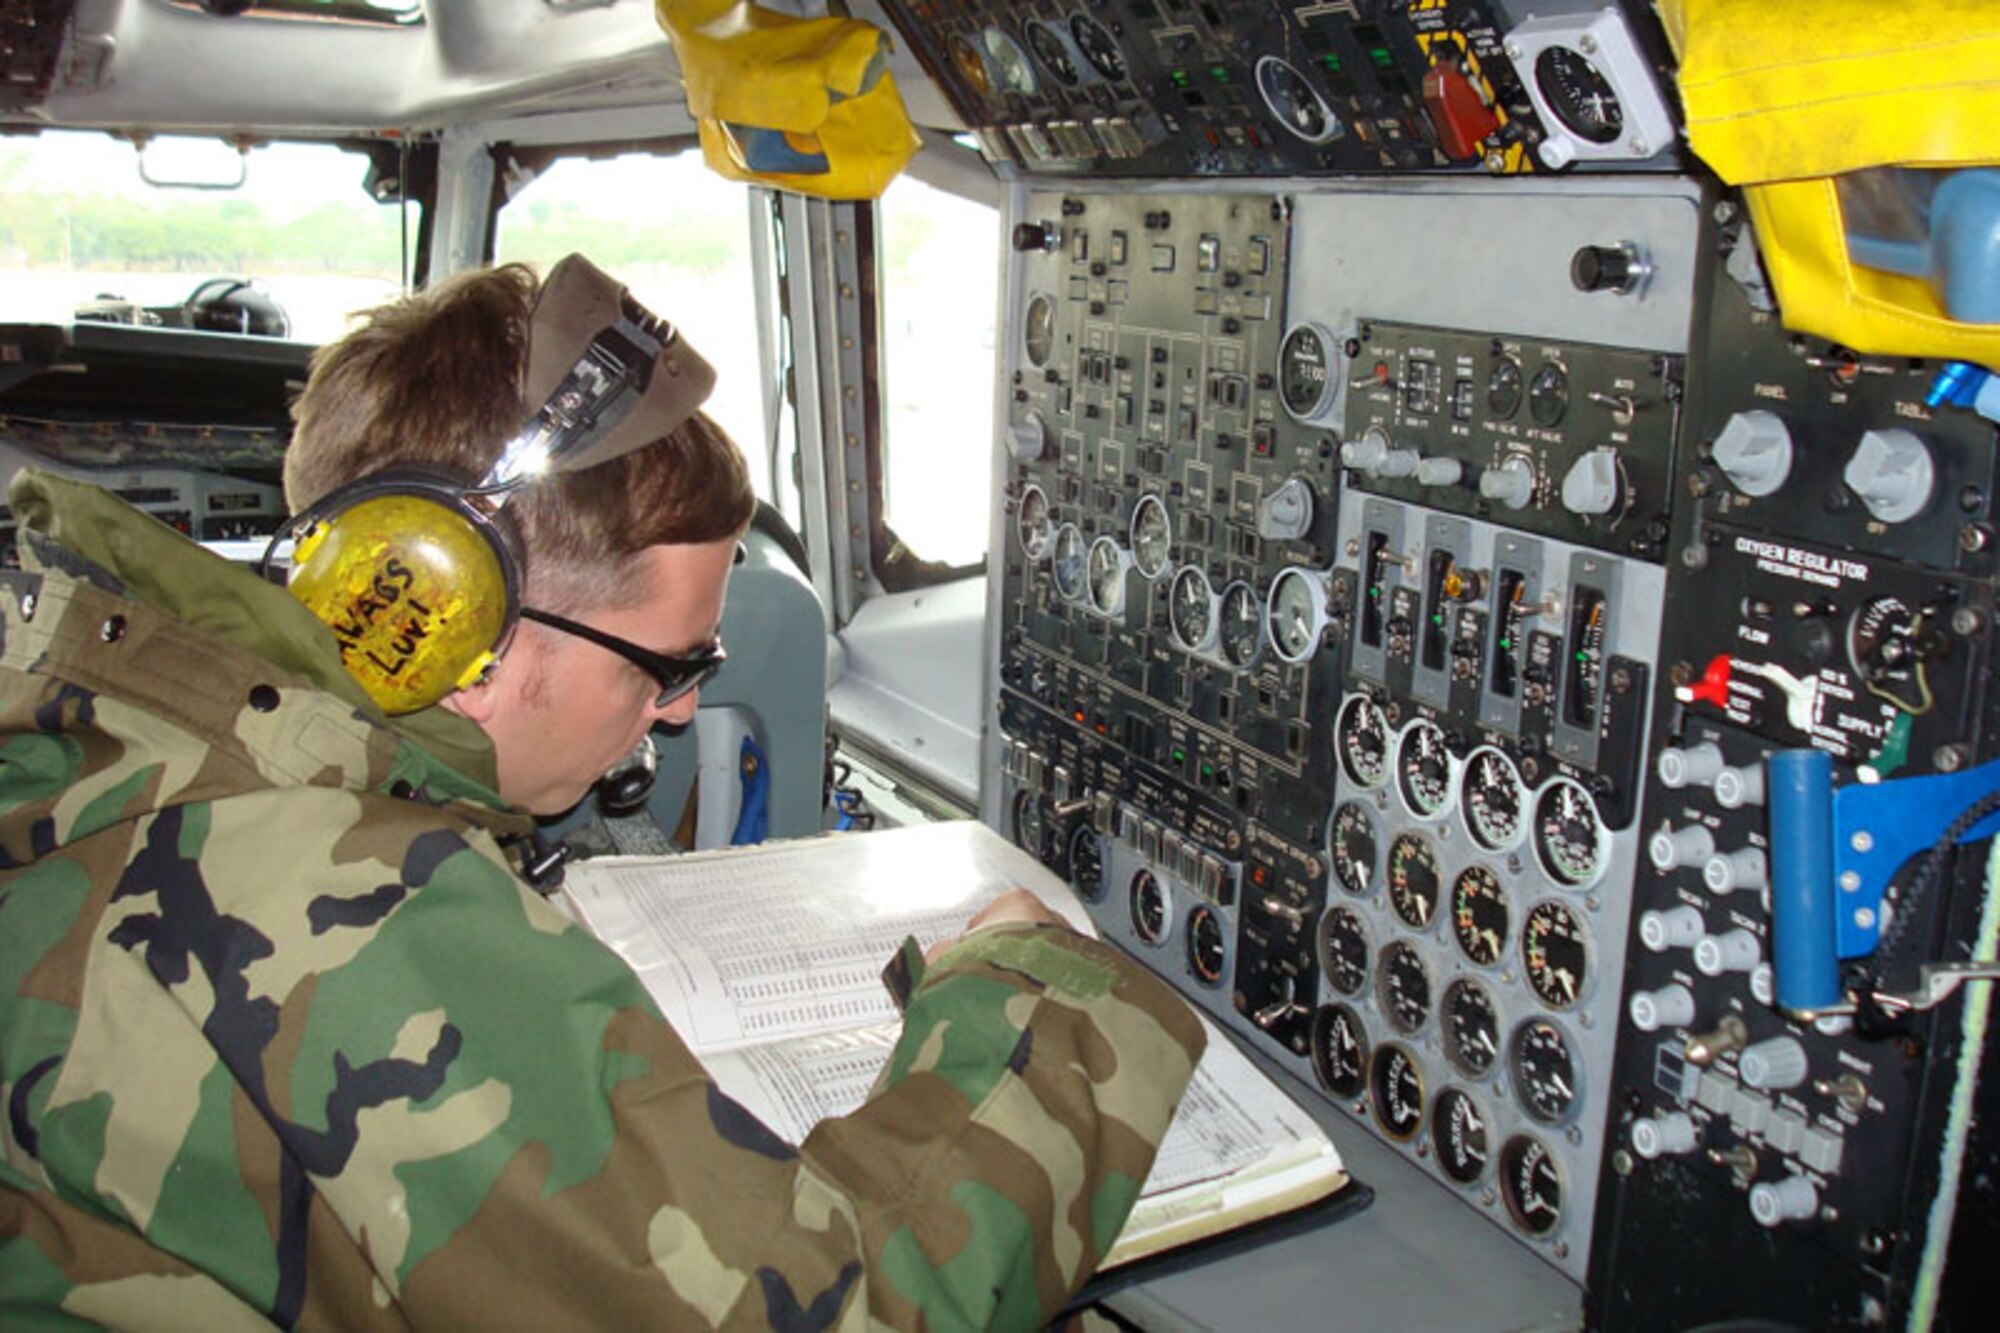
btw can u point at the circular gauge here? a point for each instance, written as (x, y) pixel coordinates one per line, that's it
(1479, 915)
(1038, 330)
(1579, 95)
(1556, 951)
(1308, 362)
(1149, 907)
(1086, 863)
(1009, 61)
(1343, 949)
(1032, 524)
(1054, 53)
(1471, 1027)
(1531, 1181)
(1208, 952)
(1295, 103)
(1504, 385)
(1191, 610)
(1548, 394)
(1572, 841)
(1099, 47)
(1152, 534)
(1424, 768)
(1361, 740)
(1242, 627)
(1298, 613)
(971, 64)
(1106, 575)
(1396, 1082)
(1887, 651)
(1403, 986)
(1494, 800)
(1031, 824)
(1545, 1073)
(1340, 1050)
(1353, 839)
(1067, 561)
(1459, 1133)
(1413, 880)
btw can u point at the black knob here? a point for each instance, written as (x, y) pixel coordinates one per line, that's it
(1036, 236)
(1604, 268)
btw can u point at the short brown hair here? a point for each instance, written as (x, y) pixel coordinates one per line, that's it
(434, 381)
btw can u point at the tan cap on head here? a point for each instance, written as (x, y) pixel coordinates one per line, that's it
(580, 302)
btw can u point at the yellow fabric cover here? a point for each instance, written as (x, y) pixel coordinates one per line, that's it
(1782, 97)
(820, 88)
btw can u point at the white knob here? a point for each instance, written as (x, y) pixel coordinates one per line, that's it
(1511, 484)
(1439, 472)
(1027, 438)
(1793, 1199)
(1754, 451)
(1663, 1135)
(1287, 512)
(1668, 1007)
(1696, 765)
(1727, 872)
(1737, 787)
(1366, 454)
(1591, 484)
(1735, 951)
(1676, 928)
(1672, 848)
(1773, 1065)
(1891, 471)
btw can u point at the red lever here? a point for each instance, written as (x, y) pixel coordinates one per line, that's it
(1712, 688)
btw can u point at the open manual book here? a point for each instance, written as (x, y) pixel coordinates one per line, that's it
(768, 962)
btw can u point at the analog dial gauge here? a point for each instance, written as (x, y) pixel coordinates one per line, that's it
(1494, 800)
(1545, 1072)
(1191, 610)
(1548, 394)
(1424, 768)
(1308, 362)
(1459, 1133)
(1009, 61)
(1032, 523)
(1354, 844)
(1504, 386)
(1396, 1086)
(1574, 845)
(1298, 613)
(1531, 1181)
(1471, 1027)
(1149, 907)
(1208, 950)
(1086, 863)
(1152, 536)
(1579, 95)
(1038, 329)
(1107, 576)
(1413, 880)
(1099, 47)
(1555, 949)
(1340, 1051)
(1404, 986)
(1361, 738)
(1479, 915)
(1067, 562)
(1242, 626)
(1294, 103)
(1054, 53)
(1343, 949)
(1031, 828)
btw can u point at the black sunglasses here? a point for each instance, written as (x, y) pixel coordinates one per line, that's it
(676, 675)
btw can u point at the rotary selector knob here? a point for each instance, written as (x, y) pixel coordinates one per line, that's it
(1733, 951)
(1286, 513)
(1439, 472)
(1665, 1135)
(1672, 848)
(1668, 1007)
(1372, 455)
(1617, 268)
(1738, 787)
(1754, 451)
(1773, 1065)
(1793, 1199)
(1695, 765)
(1892, 472)
(1591, 485)
(1744, 868)
(1028, 439)
(1512, 483)
(1676, 928)
(1036, 236)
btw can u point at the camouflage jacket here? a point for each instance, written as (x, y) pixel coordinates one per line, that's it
(284, 1040)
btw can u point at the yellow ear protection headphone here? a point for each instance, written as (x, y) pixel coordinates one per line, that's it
(418, 573)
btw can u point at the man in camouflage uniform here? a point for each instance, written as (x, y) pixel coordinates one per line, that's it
(283, 1038)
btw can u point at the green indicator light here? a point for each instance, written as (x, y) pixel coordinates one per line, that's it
(1380, 57)
(1180, 78)
(1506, 643)
(1180, 755)
(1208, 770)
(1437, 620)
(1220, 73)
(1332, 62)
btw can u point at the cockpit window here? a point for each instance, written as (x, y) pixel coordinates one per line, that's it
(291, 252)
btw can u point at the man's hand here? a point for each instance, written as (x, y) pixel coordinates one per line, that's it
(1012, 906)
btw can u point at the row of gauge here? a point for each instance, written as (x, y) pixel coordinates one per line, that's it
(1233, 625)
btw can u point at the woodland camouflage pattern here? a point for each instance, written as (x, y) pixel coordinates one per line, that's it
(283, 1040)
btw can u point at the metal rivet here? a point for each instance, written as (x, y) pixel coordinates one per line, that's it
(263, 698)
(112, 630)
(27, 606)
